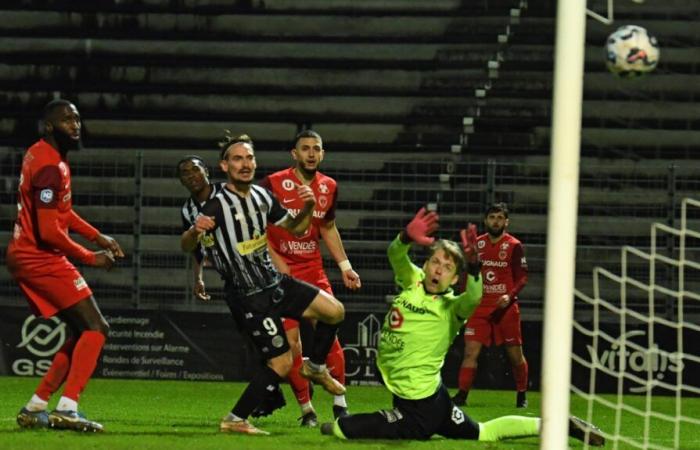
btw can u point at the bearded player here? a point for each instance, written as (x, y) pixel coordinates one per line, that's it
(497, 319)
(37, 258)
(300, 256)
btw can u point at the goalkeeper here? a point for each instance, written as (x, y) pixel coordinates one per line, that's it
(416, 334)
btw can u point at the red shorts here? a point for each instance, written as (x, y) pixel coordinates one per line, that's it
(50, 285)
(314, 275)
(489, 325)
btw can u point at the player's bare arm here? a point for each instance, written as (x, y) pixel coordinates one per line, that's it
(199, 289)
(300, 223)
(190, 238)
(331, 236)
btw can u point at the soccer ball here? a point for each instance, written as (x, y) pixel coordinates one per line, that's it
(631, 51)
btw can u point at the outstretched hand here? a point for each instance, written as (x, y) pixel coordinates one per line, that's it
(471, 253)
(422, 226)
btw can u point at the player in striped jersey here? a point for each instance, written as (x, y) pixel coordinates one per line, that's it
(232, 229)
(194, 175)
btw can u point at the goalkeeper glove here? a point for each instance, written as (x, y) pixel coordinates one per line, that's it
(423, 224)
(470, 252)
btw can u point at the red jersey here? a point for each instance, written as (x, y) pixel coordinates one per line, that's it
(44, 210)
(504, 268)
(301, 252)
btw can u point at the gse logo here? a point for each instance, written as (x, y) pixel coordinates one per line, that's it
(41, 337)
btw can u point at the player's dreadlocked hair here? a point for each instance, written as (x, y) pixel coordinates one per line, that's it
(452, 250)
(230, 139)
(195, 159)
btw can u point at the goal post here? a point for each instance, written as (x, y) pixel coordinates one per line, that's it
(562, 216)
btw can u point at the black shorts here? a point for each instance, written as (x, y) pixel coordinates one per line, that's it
(260, 315)
(413, 419)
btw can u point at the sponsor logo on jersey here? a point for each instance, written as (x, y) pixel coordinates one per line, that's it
(80, 283)
(395, 318)
(490, 263)
(490, 275)
(411, 307)
(499, 288)
(252, 245)
(46, 195)
(287, 184)
(316, 214)
(392, 339)
(298, 246)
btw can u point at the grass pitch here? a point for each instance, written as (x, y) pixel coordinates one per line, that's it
(185, 415)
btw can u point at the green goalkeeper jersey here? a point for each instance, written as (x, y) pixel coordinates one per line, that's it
(419, 328)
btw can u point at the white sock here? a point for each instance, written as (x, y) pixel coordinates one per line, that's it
(232, 417)
(317, 367)
(306, 407)
(339, 400)
(36, 404)
(67, 404)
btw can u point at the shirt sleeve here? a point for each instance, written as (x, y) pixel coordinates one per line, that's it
(467, 301)
(406, 274)
(213, 208)
(519, 267)
(276, 212)
(82, 227)
(46, 184)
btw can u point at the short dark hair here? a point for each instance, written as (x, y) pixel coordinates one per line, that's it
(497, 207)
(231, 139)
(453, 250)
(191, 158)
(53, 105)
(307, 134)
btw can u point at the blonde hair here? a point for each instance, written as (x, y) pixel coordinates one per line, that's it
(451, 249)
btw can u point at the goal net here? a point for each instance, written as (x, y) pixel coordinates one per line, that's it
(636, 345)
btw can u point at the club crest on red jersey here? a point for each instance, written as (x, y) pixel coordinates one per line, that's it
(287, 184)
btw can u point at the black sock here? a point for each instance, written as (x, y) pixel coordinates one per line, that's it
(324, 335)
(264, 382)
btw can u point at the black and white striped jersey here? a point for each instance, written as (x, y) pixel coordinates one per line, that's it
(237, 246)
(191, 209)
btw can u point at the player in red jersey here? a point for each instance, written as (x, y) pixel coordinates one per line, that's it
(37, 258)
(300, 256)
(497, 319)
